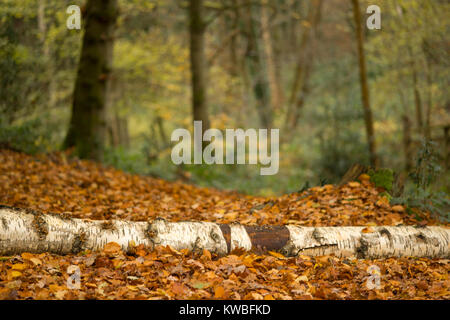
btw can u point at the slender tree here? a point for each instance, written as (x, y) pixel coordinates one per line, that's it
(42, 27)
(197, 29)
(368, 118)
(417, 102)
(300, 85)
(407, 141)
(256, 67)
(274, 81)
(87, 128)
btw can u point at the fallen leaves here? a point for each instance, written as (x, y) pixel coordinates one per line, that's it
(111, 248)
(175, 277)
(87, 190)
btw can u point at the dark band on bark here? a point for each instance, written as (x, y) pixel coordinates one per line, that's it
(5, 224)
(40, 225)
(226, 231)
(150, 234)
(108, 225)
(78, 242)
(362, 249)
(421, 237)
(317, 235)
(272, 238)
(385, 232)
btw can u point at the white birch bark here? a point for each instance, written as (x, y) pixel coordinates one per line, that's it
(23, 230)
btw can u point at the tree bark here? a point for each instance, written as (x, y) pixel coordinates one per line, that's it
(198, 63)
(368, 118)
(447, 146)
(407, 143)
(417, 102)
(274, 81)
(88, 125)
(305, 60)
(118, 130)
(234, 41)
(42, 27)
(257, 69)
(24, 230)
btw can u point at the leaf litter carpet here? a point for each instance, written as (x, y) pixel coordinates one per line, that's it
(84, 189)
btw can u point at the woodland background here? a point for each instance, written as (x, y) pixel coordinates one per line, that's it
(86, 118)
(282, 64)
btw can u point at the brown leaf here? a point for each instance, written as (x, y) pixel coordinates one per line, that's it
(112, 248)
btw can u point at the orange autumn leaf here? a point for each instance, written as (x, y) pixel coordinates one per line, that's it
(19, 266)
(206, 255)
(112, 248)
(277, 255)
(368, 230)
(219, 292)
(27, 255)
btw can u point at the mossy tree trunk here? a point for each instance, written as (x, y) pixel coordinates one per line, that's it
(87, 129)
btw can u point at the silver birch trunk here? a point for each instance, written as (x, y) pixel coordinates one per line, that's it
(24, 230)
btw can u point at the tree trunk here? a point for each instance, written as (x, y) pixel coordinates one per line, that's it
(42, 27)
(447, 146)
(256, 68)
(118, 130)
(368, 119)
(417, 102)
(305, 60)
(295, 7)
(162, 132)
(23, 230)
(407, 143)
(274, 81)
(234, 41)
(429, 102)
(198, 63)
(88, 122)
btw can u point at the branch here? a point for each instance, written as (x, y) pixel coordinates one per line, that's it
(220, 49)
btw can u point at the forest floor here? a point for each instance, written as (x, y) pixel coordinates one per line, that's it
(84, 189)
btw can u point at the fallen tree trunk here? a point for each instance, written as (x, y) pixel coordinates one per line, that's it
(24, 230)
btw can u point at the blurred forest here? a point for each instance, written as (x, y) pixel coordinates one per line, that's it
(340, 94)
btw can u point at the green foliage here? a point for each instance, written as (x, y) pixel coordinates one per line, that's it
(30, 136)
(36, 68)
(427, 166)
(242, 178)
(420, 193)
(383, 178)
(437, 203)
(339, 152)
(120, 158)
(245, 179)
